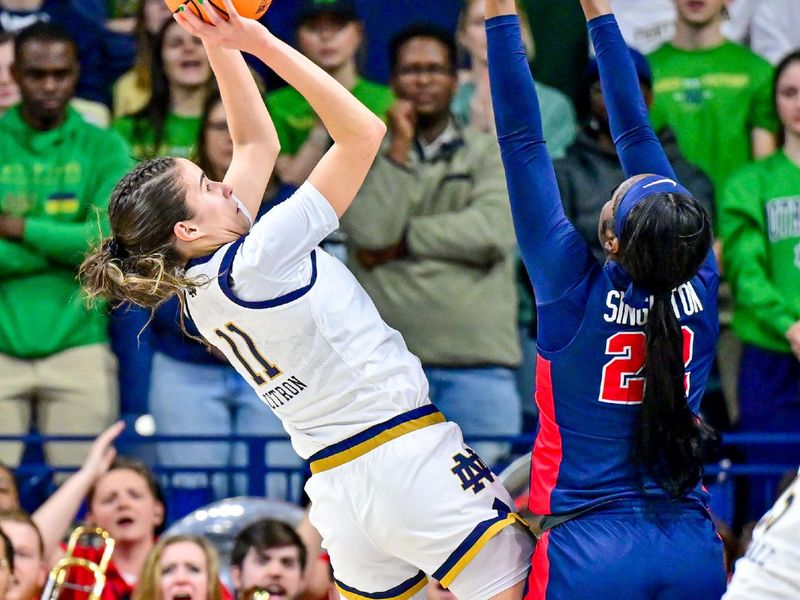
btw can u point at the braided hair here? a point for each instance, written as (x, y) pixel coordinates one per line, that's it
(139, 263)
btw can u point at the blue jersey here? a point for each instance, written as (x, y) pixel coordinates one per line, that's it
(589, 391)
(589, 382)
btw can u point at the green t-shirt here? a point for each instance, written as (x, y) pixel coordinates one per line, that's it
(294, 118)
(759, 224)
(57, 181)
(712, 99)
(179, 138)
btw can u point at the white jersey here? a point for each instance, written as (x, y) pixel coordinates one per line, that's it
(300, 329)
(771, 566)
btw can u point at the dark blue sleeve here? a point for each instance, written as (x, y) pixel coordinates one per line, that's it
(638, 147)
(555, 254)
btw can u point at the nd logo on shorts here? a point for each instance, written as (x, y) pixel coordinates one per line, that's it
(471, 470)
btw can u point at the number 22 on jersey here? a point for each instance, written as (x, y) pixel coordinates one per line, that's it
(623, 378)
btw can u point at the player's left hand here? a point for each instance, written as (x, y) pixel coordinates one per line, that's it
(235, 32)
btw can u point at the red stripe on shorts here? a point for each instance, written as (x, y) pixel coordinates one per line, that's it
(540, 570)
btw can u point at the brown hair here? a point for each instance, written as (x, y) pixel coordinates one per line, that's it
(139, 263)
(20, 516)
(149, 585)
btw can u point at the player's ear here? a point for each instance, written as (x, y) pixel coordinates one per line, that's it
(186, 231)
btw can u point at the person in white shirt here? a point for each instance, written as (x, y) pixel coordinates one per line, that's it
(395, 493)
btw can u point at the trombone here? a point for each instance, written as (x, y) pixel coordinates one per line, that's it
(56, 581)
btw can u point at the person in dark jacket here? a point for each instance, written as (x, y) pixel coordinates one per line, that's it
(591, 162)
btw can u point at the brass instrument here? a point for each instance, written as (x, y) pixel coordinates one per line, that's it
(56, 581)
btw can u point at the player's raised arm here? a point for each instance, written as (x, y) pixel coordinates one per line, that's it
(638, 146)
(554, 252)
(255, 141)
(356, 132)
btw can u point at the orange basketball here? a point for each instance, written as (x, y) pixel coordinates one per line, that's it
(252, 9)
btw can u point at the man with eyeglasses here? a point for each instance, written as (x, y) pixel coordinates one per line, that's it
(431, 240)
(6, 563)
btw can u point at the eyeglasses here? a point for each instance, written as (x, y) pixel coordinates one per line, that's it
(420, 70)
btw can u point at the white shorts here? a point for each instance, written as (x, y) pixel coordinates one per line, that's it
(416, 506)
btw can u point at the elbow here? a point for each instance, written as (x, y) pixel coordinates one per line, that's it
(368, 140)
(376, 132)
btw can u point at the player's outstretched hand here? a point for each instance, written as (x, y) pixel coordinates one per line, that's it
(236, 32)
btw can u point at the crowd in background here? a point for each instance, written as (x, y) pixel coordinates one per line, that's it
(87, 87)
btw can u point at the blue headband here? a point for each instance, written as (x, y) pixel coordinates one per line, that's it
(647, 186)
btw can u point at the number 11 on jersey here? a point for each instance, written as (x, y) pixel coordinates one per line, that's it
(264, 370)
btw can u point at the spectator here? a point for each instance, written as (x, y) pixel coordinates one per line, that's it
(9, 90)
(645, 24)
(182, 566)
(30, 572)
(714, 93)
(103, 55)
(472, 104)
(6, 563)
(592, 164)
(194, 390)
(433, 245)
(123, 498)
(330, 34)
(776, 28)
(132, 90)
(9, 493)
(169, 123)
(58, 172)
(648, 24)
(181, 79)
(92, 112)
(269, 555)
(761, 236)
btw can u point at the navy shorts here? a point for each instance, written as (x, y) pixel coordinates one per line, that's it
(652, 551)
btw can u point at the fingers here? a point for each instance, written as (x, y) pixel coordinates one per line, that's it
(110, 434)
(188, 20)
(230, 9)
(212, 14)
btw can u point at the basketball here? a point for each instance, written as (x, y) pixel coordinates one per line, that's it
(252, 9)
